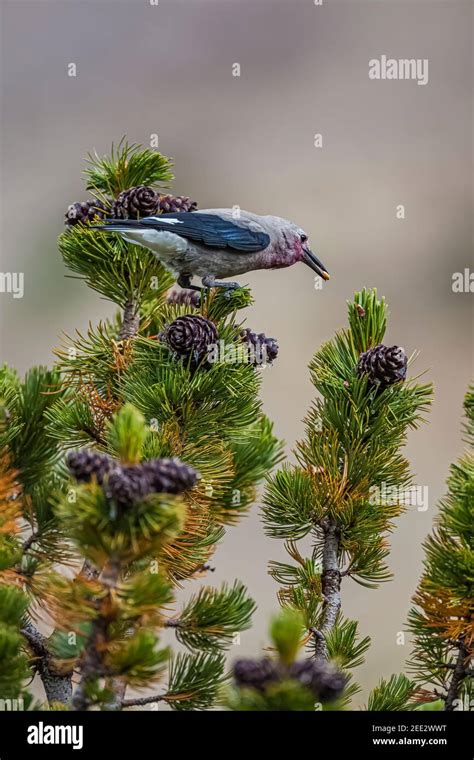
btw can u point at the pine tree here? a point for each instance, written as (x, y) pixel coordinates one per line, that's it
(14, 668)
(132, 458)
(442, 620)
(347, 488)
(33, 456)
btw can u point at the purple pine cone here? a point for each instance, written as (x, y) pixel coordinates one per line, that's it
(172, 204)
(325, 680)
(261, 348)
(84, 212)
(257, 674)
(129, 485)
(87, 464)
(170, 475)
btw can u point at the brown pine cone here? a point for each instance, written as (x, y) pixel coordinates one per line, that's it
(136, 202)
(172, 204)
(383, 365)
(191, 335)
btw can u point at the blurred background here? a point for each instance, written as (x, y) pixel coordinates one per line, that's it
(166, 69)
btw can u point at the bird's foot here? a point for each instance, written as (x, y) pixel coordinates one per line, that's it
(184, 281)
(210, 282)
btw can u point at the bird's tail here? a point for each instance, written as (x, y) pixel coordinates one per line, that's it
(119, 225)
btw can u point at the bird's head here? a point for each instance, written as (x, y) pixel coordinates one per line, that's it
(289, 245)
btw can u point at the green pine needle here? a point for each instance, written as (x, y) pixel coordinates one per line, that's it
(393, 695)
(195, 680)
(128, 165)
(213, 617)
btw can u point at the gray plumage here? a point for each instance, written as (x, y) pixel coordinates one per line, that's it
(217, 243)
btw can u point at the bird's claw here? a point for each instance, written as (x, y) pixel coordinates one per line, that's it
(230, 288)
(227, 287)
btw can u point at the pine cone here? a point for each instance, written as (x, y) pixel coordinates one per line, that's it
(383, 365)
(261, 348)
(190, 335)
(128, 485)
(184, 297)
(257, 674)
(325, 680)
(85, 212)
(173, 204)
(169, 475)
(87, 464)
(136, 202)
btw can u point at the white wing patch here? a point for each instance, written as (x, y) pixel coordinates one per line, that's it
(166, 221)
(160, 242)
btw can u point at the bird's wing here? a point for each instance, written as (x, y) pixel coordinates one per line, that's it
(209, 229)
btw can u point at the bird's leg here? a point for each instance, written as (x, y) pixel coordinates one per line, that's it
(184, 281)
(209, 281)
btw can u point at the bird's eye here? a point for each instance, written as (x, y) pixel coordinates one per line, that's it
(303, 238)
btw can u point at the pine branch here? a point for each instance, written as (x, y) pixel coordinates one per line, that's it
(128, 165)
(28, 543)
(396, 694)
(461, 671)
(57, 685)
(212, 617)
(350, 457)
(195, 680)
(331, 588)
(92, 664)
(140, 701)
(131, 321)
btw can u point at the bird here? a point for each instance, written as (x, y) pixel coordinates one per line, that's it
(218, 243)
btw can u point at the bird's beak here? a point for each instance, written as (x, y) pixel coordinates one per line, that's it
(315, 264)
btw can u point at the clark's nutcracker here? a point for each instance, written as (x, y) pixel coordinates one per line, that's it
(214, 243)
